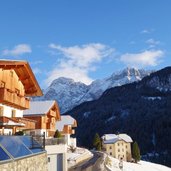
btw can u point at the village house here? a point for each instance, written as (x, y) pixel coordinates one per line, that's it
(45, 113)
(66, 127)
(117, 146)
(17, 84)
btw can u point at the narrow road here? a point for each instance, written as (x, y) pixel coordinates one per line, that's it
(96, 163)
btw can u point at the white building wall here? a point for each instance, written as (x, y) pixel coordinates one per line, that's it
(8, 111)
(53, 153)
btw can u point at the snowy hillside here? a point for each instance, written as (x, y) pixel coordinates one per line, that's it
(113, 165)
(69, 93)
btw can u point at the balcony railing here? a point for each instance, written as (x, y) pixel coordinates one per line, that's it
(55, 141)
(13, 99)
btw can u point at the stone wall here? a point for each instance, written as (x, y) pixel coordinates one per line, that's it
(33, 163)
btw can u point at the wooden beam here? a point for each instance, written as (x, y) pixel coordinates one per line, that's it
(21, 78)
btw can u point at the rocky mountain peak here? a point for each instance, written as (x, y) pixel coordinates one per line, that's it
(69, 93)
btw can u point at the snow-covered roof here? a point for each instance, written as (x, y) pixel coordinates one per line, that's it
(39, 107)
(113, 138)
(65, 120)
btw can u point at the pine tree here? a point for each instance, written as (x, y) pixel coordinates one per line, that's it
(136, 152)
(97, 142)
(57, 134)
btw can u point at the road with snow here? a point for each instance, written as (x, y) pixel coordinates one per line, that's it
(96, 163)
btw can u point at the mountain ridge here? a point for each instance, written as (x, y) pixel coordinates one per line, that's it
(141, 109)
(69, 93)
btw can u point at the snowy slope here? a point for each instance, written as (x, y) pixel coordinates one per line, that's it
(69, 94)
(140, 166)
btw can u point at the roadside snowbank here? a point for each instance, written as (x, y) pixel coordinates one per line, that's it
(113, 165)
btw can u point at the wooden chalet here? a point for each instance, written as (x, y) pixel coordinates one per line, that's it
(45, 113)
(17, 84)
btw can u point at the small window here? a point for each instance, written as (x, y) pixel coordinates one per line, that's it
(122, 150)
(2, 85)
(118, 144)
(13, 112)
(118, 150)
(1, 111)
(110, 147)
(11, 73)
(126, 146)
(48, 159)
(17, 91)
(111, 153)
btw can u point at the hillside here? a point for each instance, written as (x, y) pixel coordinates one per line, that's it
(141, 109)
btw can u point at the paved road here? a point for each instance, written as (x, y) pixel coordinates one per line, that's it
(96, 163)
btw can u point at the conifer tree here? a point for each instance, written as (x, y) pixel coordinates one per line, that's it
(136, 152)
(57, 134)
(97, 142)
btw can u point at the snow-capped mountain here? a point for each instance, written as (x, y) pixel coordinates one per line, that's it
(140, 109)
(69, 94)
(128, 75)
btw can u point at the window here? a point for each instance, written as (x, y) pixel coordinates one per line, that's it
(118, 150)
(17, 91)
(13, 113)
(110, 147)
(118, 144)
(2, 85)
(1, 111)
(126, 146)
(122, 150)
(48, 159)
(122, 143)
(111, 153)
(11, 73)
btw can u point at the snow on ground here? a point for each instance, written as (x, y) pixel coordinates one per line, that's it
(113, 165)
(78, 155)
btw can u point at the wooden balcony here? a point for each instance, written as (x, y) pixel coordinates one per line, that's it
(12, 99)
(29, 124)
(68, 130)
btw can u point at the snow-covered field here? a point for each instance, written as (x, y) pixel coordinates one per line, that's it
(113, 165)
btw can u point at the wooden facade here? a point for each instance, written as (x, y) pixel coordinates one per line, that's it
(68, 129)
(46, 121)
(17, 83)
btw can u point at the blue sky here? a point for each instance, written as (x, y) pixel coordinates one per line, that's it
(85, 39)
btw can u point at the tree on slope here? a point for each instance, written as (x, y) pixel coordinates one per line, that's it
(97, 142)
(136, 152)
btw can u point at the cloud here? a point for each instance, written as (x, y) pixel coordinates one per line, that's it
(152, 43)
(78, 61)
(143, 59)
(147, 31)
(37, 70)
(17, 50)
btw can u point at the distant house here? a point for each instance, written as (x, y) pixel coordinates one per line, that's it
(117, 146)
(45, 113)
(17, 84)
(65, 127)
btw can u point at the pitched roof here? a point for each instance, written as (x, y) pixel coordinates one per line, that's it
(113, 138)
(39, 107)
(65, 120)
(25, 74)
